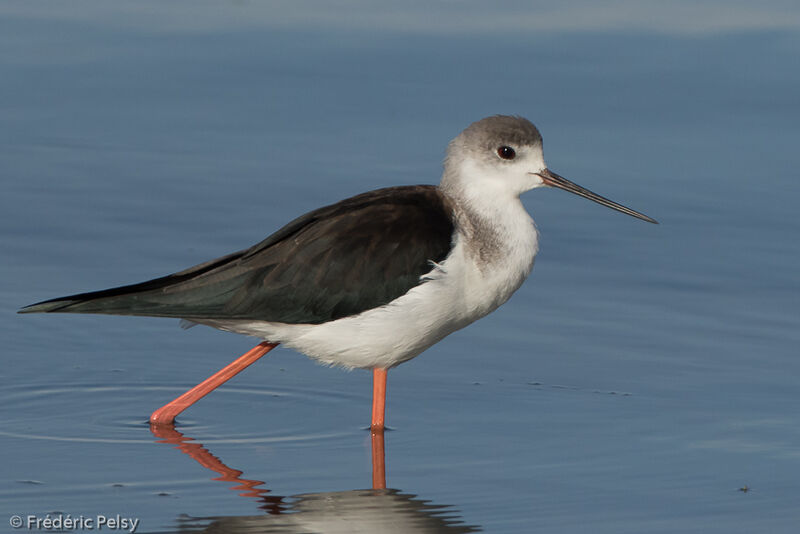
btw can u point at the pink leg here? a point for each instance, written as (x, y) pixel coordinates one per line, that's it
(378, 398)
(167, 413)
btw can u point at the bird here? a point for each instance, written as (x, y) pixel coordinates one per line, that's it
(371, 281)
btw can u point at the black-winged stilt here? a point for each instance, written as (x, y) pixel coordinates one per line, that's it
(371, 281)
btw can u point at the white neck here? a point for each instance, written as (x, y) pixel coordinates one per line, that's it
(489, 215)
(498, 237)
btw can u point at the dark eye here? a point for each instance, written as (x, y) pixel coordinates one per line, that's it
(506, 152)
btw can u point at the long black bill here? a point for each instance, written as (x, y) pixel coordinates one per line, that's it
(553, 179)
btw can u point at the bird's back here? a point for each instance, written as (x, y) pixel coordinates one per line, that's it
(333, 262)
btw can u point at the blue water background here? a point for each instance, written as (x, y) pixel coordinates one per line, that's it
(638, 382)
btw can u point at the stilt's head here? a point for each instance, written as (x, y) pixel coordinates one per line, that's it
(502, 156)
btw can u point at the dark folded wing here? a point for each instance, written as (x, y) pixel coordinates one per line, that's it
(333, 262)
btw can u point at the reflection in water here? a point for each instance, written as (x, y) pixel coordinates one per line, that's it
(346, 512)
(367, 510)
(167, 434)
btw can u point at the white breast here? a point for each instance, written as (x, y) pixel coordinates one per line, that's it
(460, 290)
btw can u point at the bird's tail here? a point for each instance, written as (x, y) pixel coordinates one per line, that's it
(197, 291)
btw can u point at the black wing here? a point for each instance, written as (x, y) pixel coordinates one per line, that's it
(333, 262)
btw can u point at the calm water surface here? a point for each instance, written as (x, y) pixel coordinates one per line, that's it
(638, 382)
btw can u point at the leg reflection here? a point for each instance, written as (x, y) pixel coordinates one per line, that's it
(378, 460)
(166, 433)
(363, 510)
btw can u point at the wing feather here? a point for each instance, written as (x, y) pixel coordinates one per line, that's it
(333, 262)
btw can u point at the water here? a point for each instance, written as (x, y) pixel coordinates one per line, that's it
(638, 382)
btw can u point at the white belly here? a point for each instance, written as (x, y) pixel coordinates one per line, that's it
(459, 291)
